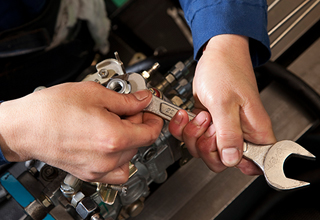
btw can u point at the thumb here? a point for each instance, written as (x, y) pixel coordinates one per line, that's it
(129, 104)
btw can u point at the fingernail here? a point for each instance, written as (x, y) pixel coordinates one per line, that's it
(142, 94)
(230, 156)
(200, 119)
(178, 118)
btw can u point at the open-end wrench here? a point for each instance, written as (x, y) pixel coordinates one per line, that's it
(269, 158)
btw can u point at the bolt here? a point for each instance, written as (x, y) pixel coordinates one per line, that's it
(147, 74)
(46, 202)
(96, 217)
(149, 154)
(87, 207)
(122, 189)
(77, 198)
(103, 73)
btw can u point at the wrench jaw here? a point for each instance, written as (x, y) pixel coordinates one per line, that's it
(280, 182)
(274, 161)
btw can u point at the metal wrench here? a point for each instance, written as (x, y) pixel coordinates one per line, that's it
(270, 158)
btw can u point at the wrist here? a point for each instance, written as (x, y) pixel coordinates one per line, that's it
(230, 45)
(6, 154)
(3, 160)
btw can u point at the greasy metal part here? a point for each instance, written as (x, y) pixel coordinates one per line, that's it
(70, 186)
(173, 75)
(106, 69)
(77, 198)
(86, 208)
(270, 159)
(116, 54)
(288, 17)
(103, 73)
(109, 192)
(134, 209)
(96, 217)
(147, 74)
(132, 169)
(122, 189)
(106, 194)
(119, 85)
(305, 13)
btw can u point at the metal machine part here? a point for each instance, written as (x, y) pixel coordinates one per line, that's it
(67, 197)
(63, 196)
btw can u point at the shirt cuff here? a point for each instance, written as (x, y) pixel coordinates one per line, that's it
(246, 17)
(2, 158)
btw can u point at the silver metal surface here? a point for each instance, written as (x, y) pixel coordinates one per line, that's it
(290, 28)
(288, 17)
(273, 4)
(271, 158)
(299, 19)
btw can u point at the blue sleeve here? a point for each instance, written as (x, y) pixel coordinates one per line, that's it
(208, 18)
(3, 159)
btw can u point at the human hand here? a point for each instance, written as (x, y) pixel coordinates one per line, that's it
(225, 86)
(82, 128)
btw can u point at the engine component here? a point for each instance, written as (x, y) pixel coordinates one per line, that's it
(64, 196)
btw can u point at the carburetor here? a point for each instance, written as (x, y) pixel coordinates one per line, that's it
(64, 196)
(150, 163)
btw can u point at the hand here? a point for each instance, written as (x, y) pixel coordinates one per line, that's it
(225, 86)
(83, 128)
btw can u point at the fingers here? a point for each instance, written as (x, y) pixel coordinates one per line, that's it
(229, 133)
(207, 150)
(189, 132)
(126, 104)
(178, 123)
(199, 136)
(194, 130)
(117, 176)
(249, 168)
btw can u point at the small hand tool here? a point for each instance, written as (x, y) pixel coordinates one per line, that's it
(270, 158)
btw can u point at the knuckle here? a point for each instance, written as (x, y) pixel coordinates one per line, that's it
(229, 135)
(153, 138)
(115, 144)
(92, 177)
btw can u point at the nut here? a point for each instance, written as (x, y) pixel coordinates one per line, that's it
(86, 207)
(77, 198)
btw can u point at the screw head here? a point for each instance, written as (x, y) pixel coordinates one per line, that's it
(103, 73)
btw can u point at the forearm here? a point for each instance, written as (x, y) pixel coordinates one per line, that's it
(246, 17)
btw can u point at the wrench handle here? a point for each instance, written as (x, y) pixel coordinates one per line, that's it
(164, 109)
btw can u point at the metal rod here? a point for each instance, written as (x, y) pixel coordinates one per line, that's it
(274, 3)
(294, 24)
(288, 17)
